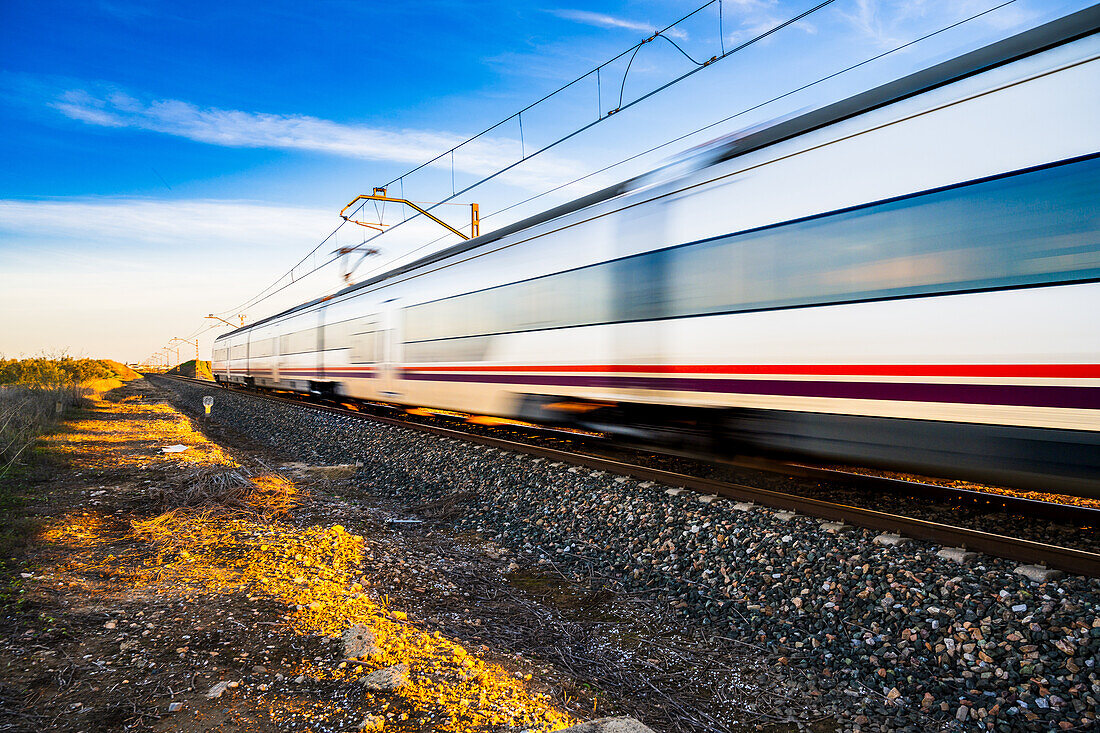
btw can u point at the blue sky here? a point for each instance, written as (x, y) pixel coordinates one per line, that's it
(160, 161)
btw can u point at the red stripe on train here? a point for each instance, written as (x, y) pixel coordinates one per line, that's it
(1053, 371)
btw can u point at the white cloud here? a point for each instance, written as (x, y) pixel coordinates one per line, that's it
(145, 222)
(755, 17)
(868, 19)
(117, 276)
(239, 129)
(603, 20)
(891, 22)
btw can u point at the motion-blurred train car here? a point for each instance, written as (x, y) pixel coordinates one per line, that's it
(906, 278)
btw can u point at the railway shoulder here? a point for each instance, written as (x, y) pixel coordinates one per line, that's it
(886, 635)
(179, 583)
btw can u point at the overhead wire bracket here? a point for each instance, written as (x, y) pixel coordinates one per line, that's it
(379, 194)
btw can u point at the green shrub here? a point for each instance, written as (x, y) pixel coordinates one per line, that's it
(44, 373)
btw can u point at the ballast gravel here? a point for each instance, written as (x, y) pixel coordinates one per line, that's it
(894, 636)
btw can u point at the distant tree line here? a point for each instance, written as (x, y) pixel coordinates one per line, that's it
(51, 373)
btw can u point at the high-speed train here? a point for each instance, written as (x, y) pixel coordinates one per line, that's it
(907, 278)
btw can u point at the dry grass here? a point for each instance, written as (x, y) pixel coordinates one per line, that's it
(232, 489)
(315, 570)
(27, 412)
(132, 432)
(224, 530)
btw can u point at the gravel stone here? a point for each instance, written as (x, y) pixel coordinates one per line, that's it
(957, 554)
(609, 725)
(1038, 573)
(387, 679)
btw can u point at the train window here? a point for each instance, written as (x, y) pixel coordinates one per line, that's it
(448, 350)
(262, 347)
(239, 351)
(580, 297)
(638, 284)
(221, 354)
(338, 335)
(1035, 227)
(364, 347)
(573, 298)
(299, 342)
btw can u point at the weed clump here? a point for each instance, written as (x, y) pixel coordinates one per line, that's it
(229, 489)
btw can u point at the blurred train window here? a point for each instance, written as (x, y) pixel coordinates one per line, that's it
(262, 347)
(1037, 227)
(1031, 228)
(569, 298)
(364, 347)
(239, 352)
(451, 350)
(299, 342)
(639, 285)
(221, 354)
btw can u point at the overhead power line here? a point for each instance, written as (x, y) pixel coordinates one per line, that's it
(706, 127)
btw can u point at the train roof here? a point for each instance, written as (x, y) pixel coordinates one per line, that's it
(1036, 40)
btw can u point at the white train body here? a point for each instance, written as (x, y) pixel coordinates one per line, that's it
(924, 267)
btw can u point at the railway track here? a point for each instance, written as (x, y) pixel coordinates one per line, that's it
(1072, 560)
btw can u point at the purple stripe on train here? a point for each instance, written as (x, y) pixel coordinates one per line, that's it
(988, 394)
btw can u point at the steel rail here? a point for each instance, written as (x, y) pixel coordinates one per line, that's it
(1078, 562)
(972, 498)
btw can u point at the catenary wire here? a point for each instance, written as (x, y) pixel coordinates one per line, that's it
(708, 126)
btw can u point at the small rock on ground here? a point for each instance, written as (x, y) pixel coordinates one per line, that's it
(359, 643)
(217, 689)
(609, 725)
(387, 678)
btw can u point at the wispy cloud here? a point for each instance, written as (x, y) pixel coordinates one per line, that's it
(127, 223)
(107, 231)
(889, 22)
(868, 18)
(603, 20)
(751, 18)
(115, 108)
(142, 268)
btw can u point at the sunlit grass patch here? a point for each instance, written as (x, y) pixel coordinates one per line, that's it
(132, 433)
(220, 529)
(314, 570)
(79, 529)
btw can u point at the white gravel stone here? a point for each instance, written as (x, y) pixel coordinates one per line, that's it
(1037, 573)
(387, 678)
(957, 554)
(217, 690)
(609, 725)
(886, 539)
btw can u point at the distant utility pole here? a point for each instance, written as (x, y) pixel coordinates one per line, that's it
(195, 343)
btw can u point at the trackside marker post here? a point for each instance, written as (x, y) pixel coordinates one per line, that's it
(207, 403)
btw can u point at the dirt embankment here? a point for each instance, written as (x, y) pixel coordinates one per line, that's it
(196, 369)
(177, 586)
